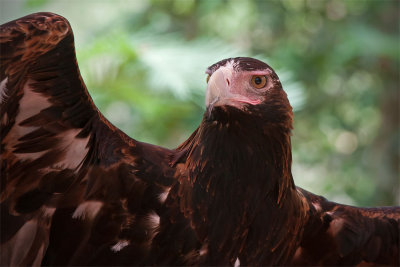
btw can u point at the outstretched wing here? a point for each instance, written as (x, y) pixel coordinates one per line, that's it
(344, 235)
(65, 169)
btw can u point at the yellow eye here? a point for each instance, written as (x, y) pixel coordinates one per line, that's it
(258, 81)
(208, 78)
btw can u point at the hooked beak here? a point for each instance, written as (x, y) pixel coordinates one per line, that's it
(221, 91)
(218, 87)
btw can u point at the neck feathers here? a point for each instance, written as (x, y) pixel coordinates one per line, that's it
(237, 168)
(242, 145)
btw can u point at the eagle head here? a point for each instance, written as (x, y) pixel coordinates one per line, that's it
(248, 85)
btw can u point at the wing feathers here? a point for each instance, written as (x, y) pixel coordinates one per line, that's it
(59, 152)
(344, 235)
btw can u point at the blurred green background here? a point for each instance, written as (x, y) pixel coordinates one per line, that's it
(144, 62)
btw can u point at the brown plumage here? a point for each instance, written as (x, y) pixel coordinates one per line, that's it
(75, 190)
(71, 183)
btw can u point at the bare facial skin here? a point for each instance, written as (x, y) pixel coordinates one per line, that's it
(230, 85)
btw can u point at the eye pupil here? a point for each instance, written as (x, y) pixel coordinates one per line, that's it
(258, 81)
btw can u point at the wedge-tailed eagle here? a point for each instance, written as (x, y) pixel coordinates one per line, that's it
(75, 190)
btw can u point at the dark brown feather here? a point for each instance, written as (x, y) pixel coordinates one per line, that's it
(239, 196)
(67, 173)
(338, 234)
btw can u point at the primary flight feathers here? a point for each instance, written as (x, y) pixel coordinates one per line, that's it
(75, 190)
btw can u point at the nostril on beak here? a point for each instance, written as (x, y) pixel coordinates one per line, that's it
(227, 81)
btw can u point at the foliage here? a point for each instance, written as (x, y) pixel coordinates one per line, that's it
(143, 62)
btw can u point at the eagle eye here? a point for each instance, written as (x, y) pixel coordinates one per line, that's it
(258, 81)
